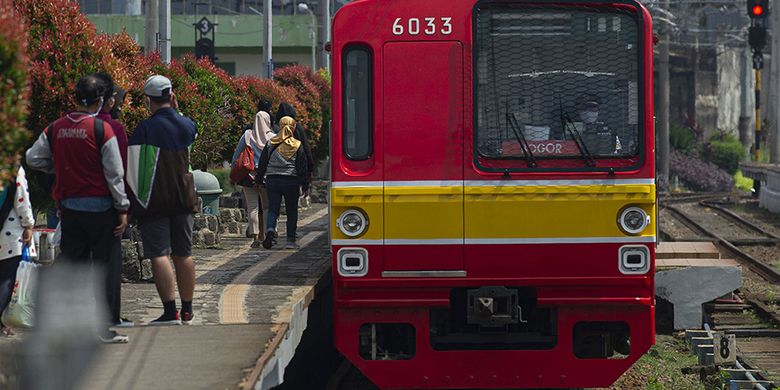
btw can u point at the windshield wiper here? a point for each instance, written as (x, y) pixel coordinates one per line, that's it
(529, 156)
(569, 125)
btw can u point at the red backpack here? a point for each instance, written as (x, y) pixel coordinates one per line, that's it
(242, 171)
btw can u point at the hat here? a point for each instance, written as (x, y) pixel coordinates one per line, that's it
(589, 101)
(158, 86)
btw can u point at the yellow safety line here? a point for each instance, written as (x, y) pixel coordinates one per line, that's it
(231, 303)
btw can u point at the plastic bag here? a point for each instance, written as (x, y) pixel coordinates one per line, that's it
(55, 240)
(19, 312)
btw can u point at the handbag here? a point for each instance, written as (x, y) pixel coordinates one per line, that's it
(243, 168)
(19, 312)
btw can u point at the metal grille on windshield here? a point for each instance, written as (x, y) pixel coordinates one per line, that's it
(556, 82)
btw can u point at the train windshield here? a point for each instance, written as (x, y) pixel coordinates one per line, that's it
(557, 82)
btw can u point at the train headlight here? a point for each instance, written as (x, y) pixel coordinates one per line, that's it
(633, 220)
(352, 223)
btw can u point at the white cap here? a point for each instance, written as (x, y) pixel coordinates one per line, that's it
(158, 86)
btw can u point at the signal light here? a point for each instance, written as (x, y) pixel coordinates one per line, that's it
(757, 9)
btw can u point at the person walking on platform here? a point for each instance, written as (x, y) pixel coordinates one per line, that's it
(256, 196)
(284, 167)
(16, 223)
(286, 109)
(89, 187)
(110, 113)
(164, 200)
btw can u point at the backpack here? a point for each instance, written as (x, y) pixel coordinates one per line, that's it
(242, 170)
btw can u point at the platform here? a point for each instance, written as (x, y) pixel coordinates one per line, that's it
(689, 274)
(250, 314)
(768, 186)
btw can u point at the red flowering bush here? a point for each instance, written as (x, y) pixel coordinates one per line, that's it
(299, 78)
(63, 46)
(13, 92)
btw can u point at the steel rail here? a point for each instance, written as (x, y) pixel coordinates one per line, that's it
(736, 217)
(759, 267)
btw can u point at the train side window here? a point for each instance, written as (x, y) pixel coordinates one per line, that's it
(358, 104)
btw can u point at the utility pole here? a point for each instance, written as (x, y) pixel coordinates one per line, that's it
(662, 137)
(268, 39)
(746, 110)
(326, 34)
(165, 31)
(774, 139)
(152, 24)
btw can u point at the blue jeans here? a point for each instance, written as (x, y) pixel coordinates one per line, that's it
(287, 187)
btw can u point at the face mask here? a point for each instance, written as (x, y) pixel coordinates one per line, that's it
(100, 108)
(589, 116)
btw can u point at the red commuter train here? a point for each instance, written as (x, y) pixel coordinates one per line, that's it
(493, 202)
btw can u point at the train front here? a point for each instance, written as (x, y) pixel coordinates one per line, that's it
(493, 199)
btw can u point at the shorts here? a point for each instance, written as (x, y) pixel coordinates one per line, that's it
(168, 236)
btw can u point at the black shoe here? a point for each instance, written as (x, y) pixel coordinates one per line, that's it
(186, 317)
(167, 320)
(270, 239)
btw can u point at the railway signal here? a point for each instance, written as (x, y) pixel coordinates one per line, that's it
(757, 11)
(204, 46)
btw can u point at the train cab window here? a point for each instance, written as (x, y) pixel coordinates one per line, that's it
(358, 103)
(557, 82)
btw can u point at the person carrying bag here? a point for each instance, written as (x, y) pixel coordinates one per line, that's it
(16, 223)
(244, 163)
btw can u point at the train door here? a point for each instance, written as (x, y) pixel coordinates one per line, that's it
(423, 156)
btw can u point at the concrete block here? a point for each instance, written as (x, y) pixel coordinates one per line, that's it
(688, 288)
(230, 202)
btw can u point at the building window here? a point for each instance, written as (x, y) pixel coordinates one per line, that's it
(358, 104)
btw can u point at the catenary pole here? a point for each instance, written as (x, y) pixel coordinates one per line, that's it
(326, 34)
(268, 39)
(746, 109)
(165, 31)
(774, 142)
(151, 26)
(662, 137)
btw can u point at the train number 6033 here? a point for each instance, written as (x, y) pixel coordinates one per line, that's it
(428, 26)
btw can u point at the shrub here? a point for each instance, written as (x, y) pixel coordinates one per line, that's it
(13, 92)
(682, 139)
(725, 151)
(226, 112)
(63, 46)
(699, 175)
(298, 77)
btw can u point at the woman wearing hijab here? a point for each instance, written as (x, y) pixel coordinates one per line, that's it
(256, 196)
(284, 167)
(16, 223)
(286, 109)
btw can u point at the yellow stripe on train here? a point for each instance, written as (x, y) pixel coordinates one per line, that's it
(493, 212)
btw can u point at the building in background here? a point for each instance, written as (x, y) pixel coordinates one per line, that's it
(239, 34)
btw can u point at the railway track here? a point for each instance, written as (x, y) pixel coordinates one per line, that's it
(751, 235)
(755, 323)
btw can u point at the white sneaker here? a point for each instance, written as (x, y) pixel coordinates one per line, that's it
(112, 337)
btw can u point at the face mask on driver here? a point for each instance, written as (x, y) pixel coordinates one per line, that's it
(589, 116)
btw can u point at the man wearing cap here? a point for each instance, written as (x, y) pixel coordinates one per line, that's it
(89, 187)
(164, 199)
(599, 138)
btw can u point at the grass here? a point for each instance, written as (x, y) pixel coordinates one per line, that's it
(660, 368)
(743, 183)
